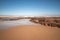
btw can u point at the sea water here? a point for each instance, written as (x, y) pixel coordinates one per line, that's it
(6, 24)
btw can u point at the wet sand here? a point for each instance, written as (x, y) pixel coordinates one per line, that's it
(31, 32)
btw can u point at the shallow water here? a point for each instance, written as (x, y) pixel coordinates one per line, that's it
(7, 24)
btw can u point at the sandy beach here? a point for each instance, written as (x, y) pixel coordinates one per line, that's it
(31, 32)
(29, 20)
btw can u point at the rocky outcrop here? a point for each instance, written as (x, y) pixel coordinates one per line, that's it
(53, 22)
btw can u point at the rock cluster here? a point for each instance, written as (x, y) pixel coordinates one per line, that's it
(53, 22)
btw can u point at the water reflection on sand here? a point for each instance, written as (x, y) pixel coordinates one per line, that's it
(6, 24)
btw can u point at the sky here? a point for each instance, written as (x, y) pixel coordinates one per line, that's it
(30, 7)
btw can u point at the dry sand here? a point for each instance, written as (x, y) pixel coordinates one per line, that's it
(31, 32)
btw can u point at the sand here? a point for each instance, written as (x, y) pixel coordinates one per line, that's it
(30, 32)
